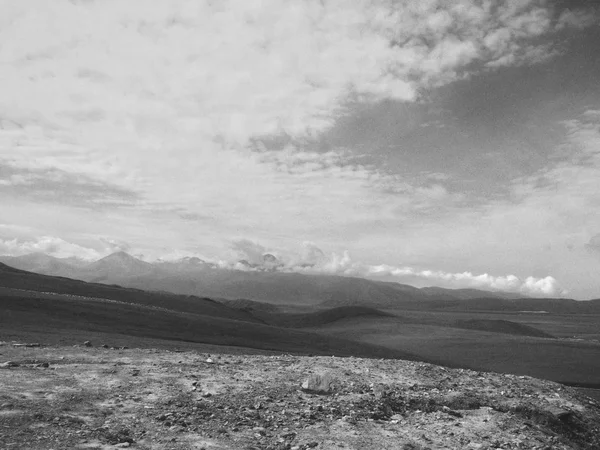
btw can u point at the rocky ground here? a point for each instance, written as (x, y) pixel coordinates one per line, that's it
(103, 398)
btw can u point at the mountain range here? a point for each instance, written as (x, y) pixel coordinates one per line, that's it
(264, 283)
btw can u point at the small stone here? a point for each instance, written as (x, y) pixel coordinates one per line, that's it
(318, 384)
(451, 412)
(8, 364)
(379, 392)
(123, 445)
(87, 343)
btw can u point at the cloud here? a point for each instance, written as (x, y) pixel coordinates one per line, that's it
(579, 18)
(49, 245)
(592, 114)
(314, 261)
(544, 226)
(248, 250)
(115, 245)
(311, 255)
(280, 67)
(161, 102)
(575, 172)
(152, 109)
(343, 265)
(594, 244)
(58, 186)
(310, 260)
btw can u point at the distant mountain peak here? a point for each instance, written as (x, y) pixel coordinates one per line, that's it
(192, 260)
(186, 263)
(120, 259)
(121, 255)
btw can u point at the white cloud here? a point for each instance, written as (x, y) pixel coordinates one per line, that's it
(592, 114)
(313, 260)
(156, 71)
(49, 245)
(310, 260)
(343, 265)
(115, 245)
(162, 99)
(546, 226)
(130, 92)
(248, 250)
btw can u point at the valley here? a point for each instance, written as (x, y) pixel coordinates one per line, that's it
(164, 340)
(491, 334)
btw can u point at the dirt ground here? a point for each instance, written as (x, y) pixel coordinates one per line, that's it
(82, 397)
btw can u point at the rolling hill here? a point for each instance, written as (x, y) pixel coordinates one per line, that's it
(192, 276)
(53, 308)
(454, 332)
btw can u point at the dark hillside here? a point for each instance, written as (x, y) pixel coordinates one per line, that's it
(464, 294)
(501, 326)
(19, 279)
(60, 306)
(321, 317)
(550, 305)
(62, 316)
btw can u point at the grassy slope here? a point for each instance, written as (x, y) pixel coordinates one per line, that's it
(63, 316)
(315, 318)
(555, 359)
(501, 326)
(551, 305)
(110, 309)
(11, 278)
(455, 338)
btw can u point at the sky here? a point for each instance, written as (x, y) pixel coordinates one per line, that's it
(451, 143)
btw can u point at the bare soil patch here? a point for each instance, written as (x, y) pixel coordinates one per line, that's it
(78, 397)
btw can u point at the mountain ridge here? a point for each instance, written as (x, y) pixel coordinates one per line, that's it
(193, 276)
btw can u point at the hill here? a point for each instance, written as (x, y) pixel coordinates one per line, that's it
(525, 305)
(320, 317)
(465, 294)
(15, 279)
(502, 326)
(44, 264)
(115, 266)
(64, 311)
(52, 307)
(192, 276)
